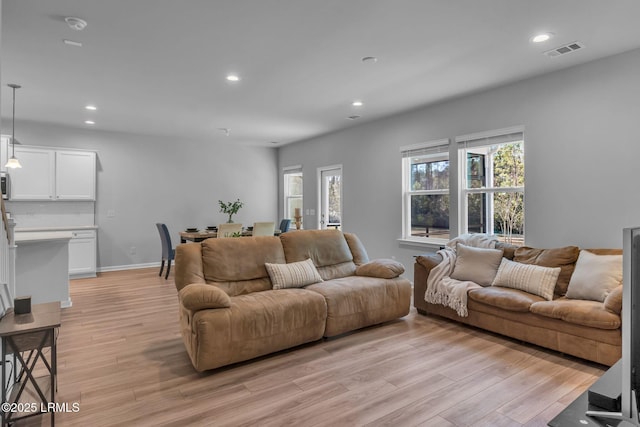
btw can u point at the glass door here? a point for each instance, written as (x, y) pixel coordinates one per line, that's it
(330, 197)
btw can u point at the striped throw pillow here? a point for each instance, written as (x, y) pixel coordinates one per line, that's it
(530, 278)
(293, 275)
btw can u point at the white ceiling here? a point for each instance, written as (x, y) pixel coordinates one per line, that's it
(158, 66)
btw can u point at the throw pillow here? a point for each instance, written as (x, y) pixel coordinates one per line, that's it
(293, 274)
(595, 276)
(478, 265)
(382, 268)
(527, 277)
(565, 258)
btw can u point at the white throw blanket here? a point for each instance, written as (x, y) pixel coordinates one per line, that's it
(442, 289)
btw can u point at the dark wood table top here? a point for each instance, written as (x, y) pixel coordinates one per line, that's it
(198, 236)
(42, 316)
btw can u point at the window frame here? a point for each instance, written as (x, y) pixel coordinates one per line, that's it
(437, 150)
(291, 170)
(481, 140)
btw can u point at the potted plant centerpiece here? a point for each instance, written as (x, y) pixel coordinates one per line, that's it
(230, 208)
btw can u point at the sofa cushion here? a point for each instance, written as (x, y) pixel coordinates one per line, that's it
(383, 268)
(293, 274)
(508, 249)
(504, 298)
(478, 265)
(565, 258)
(355, 302)
(613, 302)
(240, 259)
(198, 296)
(327, 248)
(533, 279)
(595, 276)
(358, 251)
(580, 312)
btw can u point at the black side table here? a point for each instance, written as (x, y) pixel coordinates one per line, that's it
(28, 335)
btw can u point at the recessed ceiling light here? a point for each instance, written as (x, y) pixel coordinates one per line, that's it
(370, 59)
(90, 107)
(225, 131)
(542, 37)
(72, 43)
(233, 77)
(89, 122)
(357, 103)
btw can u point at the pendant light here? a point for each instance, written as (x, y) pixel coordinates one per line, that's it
(13, 163)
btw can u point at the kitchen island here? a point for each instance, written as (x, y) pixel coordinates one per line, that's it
(42, 266)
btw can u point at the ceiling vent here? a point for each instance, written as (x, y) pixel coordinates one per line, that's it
(562, 50)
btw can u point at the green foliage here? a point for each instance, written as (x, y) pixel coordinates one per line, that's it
(509, 207)
(230, 208)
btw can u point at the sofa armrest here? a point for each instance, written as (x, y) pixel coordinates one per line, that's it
(382, 268)
(421, 269)
(198, 296)
(429, 261)
(613, 302)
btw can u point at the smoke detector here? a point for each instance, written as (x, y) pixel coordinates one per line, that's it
(75, 23)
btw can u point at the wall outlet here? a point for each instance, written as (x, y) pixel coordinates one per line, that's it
(132, 251)
(111, 213)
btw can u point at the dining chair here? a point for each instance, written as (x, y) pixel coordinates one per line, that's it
(263, 228)
(168, 252)
(229, 229)
(284, 225)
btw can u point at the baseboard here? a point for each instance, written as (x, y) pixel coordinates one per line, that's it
(128, 267)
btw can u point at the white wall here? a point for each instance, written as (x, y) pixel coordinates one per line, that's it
(149, 179)
(582, 156)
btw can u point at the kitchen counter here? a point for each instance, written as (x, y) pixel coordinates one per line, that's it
(82, 246)
(35, 236)
(42, 266)
(57, 228)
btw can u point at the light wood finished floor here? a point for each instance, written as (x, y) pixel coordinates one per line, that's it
(122, 359)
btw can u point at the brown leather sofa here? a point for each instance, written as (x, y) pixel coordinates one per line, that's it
(586, 329)
(229, 311)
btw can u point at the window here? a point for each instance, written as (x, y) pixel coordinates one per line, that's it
(492, 184)
(292, 191)
(426, 190)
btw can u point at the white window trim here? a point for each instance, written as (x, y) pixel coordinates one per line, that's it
(480, 139)
(416, 149)
(286, 171)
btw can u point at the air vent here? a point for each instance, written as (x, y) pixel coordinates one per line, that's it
(562, 50)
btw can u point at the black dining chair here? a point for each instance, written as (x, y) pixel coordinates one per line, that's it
(284, 225)
(168, 252)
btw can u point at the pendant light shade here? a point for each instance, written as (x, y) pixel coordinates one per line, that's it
(13, 162)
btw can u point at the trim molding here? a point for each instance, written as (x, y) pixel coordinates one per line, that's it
(128, 267)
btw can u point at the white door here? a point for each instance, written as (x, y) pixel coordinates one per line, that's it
(330, 197)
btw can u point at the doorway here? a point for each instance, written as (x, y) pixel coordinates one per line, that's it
(330, 192)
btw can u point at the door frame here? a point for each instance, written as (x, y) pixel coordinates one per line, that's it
(319, 182)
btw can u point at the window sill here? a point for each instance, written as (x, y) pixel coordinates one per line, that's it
(430, 244)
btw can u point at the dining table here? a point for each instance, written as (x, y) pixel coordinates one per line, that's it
(200, 235)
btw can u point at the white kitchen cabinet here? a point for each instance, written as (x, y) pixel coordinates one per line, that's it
(82, 254)
(75, 175)
(4, 151)
(48, 174)
(34, 180)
